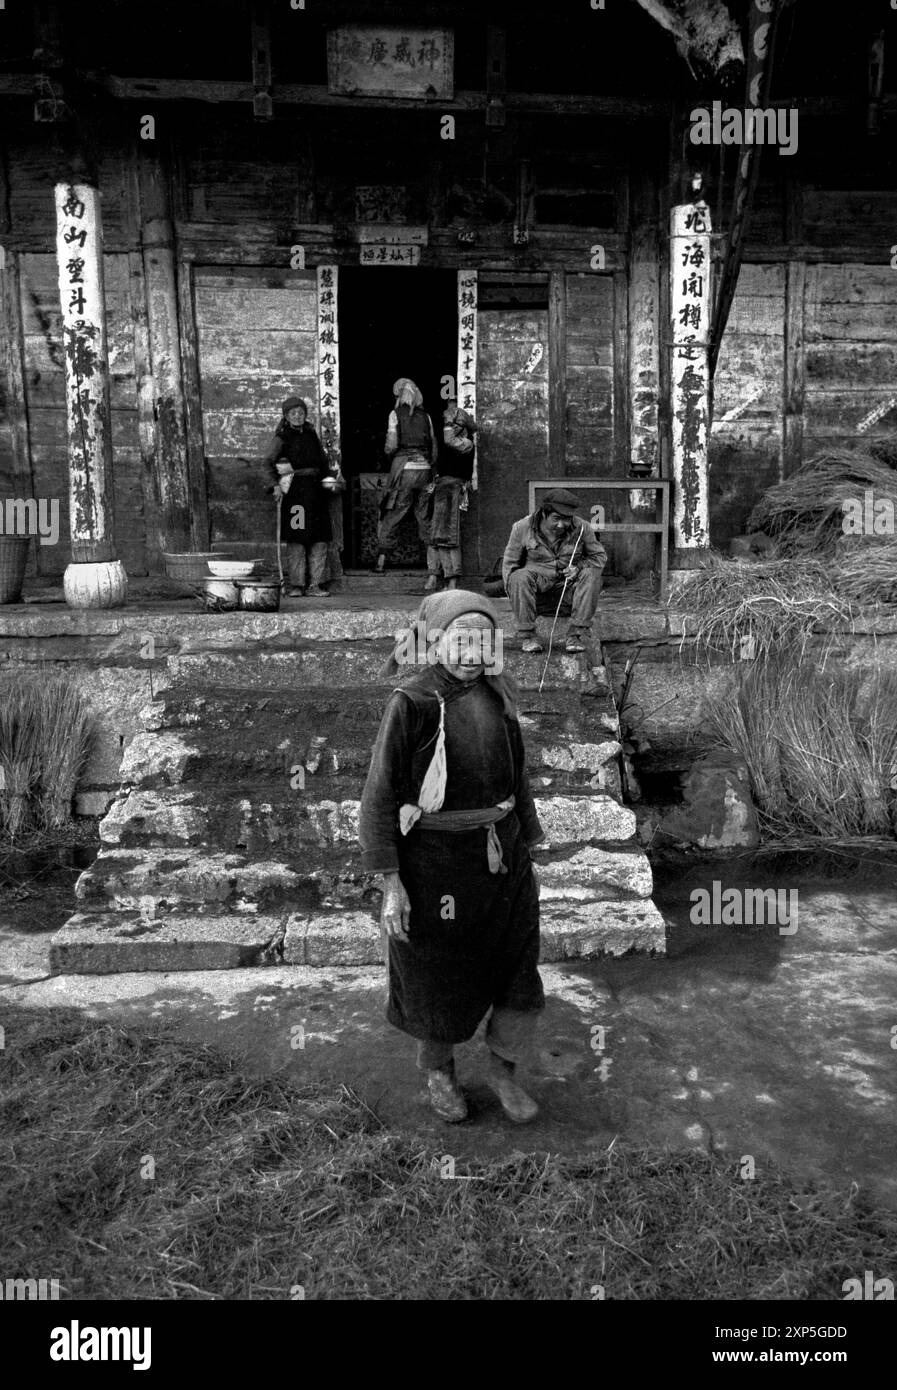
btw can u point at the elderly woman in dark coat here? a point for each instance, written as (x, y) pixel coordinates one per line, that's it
(298, 463)
(448, 818)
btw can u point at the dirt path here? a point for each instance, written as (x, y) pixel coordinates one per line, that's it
(742, 1040)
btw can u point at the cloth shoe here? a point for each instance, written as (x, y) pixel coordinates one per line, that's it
(432, 584)
(445, 1095)
(516, 1104)
(532, 644)
(295, 592)
(574, 643)
(315, 591)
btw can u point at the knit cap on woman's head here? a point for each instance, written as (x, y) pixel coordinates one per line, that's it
(438, 610)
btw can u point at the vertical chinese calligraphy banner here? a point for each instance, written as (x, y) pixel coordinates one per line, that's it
(467, 349)
(689, 378)
(328, 361)
(391, 62)
(79, 255)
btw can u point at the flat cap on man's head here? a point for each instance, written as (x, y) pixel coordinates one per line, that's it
(560, 501)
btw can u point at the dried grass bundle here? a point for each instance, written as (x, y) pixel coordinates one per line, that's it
(804, 514)
(45, 734)
(64, 749)
(866, 569)
(748, 607)
(820, 745)
(20, 737)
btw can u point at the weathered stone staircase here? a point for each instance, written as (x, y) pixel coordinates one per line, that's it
(233, 840)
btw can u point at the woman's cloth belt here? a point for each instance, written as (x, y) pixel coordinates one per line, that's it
(306, 472)
(454, 822)
(414, 463)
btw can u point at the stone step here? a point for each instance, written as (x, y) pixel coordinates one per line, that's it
(329, 756)
(264, 717)
(356, 664)
(173, 879)
(98, 942)
(273, 819)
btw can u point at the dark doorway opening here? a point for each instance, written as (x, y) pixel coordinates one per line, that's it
(393, 322)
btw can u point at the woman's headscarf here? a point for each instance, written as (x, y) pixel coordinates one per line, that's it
(406, 393)
(291, 403)
(436, 612)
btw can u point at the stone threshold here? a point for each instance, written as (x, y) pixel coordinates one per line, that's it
(343, 617)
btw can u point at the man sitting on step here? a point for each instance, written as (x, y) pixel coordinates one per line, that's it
(544, 550)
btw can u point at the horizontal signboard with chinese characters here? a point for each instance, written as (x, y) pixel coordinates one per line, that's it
(390, 62)
(370, 254)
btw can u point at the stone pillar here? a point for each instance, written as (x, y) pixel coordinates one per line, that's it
(96, 577)
(689, 381)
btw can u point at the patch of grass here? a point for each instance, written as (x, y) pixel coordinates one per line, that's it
(261, 1185)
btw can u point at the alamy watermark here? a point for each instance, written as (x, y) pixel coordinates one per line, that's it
(31, 516)
(867, 515)
(420, 646)
(29, 1290)
(753, 125)
(737, 907)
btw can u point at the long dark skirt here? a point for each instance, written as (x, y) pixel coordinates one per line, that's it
(306, 492)
(453, 969)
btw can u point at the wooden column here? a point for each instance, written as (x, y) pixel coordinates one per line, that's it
(793, 417)
(644, 339)
(196, 449)
(95, 578)
(260, 21)
(146, 424)
(172, 482)
(14, 344)
(621, 371)
(557, 373)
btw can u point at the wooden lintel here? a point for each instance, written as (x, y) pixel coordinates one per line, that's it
(545, 103)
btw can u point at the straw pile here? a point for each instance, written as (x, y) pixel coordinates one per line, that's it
(749, 607)
(804, 514)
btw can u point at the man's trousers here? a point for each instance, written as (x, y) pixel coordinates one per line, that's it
(411, 493)
(524, 584)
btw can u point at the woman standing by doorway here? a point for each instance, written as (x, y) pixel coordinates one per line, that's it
(412, 445)
(301, 470)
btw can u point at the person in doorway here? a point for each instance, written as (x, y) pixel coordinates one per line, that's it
(306, 480)
(412, 445)
(454, 474)
(544, 550)
(448, 818)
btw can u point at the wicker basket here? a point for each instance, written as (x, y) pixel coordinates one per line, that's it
(13, 559)
(190, 567)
